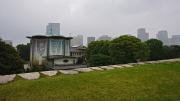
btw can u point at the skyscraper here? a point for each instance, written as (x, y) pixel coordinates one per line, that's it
(175, 40)
(142, 34)
(77, 40)
(104, 37)
(8, 42)
(163, 36)
(90, 39)
(53, 29)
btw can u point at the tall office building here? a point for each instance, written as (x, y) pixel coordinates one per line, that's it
(8, 42)
(142, 34)
(104, 37)
(90, 39)
(53, 29)
(77, 40)
(175, 40)
(163, 36)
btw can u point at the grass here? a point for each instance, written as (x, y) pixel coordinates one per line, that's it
(151, 82)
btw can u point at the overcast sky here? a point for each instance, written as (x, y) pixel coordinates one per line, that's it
(20, 18)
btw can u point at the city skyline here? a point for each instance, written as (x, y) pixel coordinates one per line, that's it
(87, 17)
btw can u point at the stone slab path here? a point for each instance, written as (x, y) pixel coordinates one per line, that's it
(106, 67)
(7, 78)
(126, 65)
(30, 76)
(83, 70)
(116, 66)
(35, 75)
(49, 73)
(96, 68)
(71, 72)
(141, 63)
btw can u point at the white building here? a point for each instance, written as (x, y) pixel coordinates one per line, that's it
(8, 42)
(90, 39)
(53, 29)
(175, 40)
(163, 36)
(50, 50)
(142, 34)
(104, 37)
(77, 40)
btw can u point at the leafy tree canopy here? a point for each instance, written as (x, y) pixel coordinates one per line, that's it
(24, 51)
(156, 49)
(10, 61)
(127, 49)
(99, 60)
(98, 47)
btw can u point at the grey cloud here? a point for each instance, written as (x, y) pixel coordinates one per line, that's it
(19, 18)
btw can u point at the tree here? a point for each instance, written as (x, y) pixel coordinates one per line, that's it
(99, 60)
(24, 51)
(156, 49)
(127, 49)
(171, 52)
(10, 61)
(98, 47)
(175, 51)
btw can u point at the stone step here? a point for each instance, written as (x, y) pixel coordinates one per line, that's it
(126, 65)
(30, 76)
(116, 66)
(83, 69)
(7, 78)
(106, 67)
(96, 68)
(49, 73)
(71, 72)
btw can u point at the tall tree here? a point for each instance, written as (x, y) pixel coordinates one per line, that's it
(156, 49)
(98, 47)
(24, 51)
(10, 61)
(127, 49)
(98, 53)
(99, 60)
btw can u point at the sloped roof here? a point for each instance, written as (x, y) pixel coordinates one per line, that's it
(46, 36)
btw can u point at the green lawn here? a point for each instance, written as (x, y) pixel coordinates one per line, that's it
(153, 82)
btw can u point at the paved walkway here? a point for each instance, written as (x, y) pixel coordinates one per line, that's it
(36, 75)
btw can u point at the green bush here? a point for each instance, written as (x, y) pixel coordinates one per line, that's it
(99, 60)
(98, 47)
(156, 49)
(39, 68)
(24, 51)
(10, 62)
(126, 49)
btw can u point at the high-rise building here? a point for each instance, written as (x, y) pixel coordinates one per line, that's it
(90, 39)
(142, 34)
(77, 40)
(104, 37)
(175, 40)
(53, 29)
(8, 42)
(163, 36)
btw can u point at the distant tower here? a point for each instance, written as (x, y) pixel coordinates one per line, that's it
(104, 37)
(77, 40)
(53, 29)
(90, 39)
(175, 40)
(142, 34)
(9, 42)
(163, 36)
